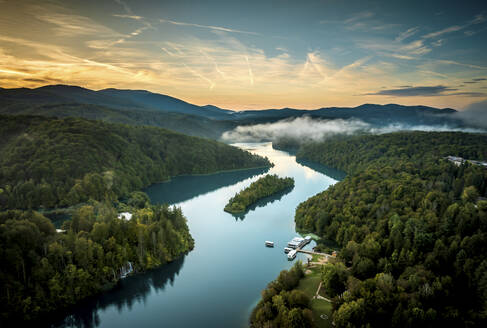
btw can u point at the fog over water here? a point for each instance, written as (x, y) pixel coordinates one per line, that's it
(311, 129)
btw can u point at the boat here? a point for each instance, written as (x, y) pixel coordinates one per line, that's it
(291, 255)
(287, 249)
(296, 242)
(269, 243)
(307, 240)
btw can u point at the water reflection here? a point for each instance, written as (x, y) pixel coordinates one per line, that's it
(183, 188)
(129, 291)
(329, 171)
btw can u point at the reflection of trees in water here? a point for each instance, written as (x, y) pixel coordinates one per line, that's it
(263, 202)
(326, 170)
(129, 291)
(186, 187)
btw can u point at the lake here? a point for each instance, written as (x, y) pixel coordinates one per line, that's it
(219, 282)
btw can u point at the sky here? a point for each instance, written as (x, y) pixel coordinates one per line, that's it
(253, 54)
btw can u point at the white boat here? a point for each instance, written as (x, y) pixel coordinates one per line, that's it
(307, 240)
(287, 249)
(296, 242)
(291, 255)
(269, 243)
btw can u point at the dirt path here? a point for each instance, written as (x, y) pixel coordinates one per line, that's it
(318, 296)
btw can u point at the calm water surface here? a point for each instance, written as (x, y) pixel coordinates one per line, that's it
(219, 282)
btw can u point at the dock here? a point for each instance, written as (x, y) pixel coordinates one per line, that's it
(298, 243)
(299, 250)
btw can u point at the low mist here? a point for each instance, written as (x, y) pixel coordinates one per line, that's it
(308, 129)
(474, 115)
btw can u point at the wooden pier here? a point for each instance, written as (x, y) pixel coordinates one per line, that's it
(299, 250)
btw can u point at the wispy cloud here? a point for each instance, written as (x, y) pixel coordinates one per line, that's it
(211, 85)
(406, 34)
(480, 18)
(425, 91)
(443, 31)
(359, 16)
(134, 17)
(251, 74)
(210, 27)
(73, 25)
(414, 91)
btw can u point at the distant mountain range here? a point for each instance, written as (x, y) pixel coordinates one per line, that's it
(142, 107)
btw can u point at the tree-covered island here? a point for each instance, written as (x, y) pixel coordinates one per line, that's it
(264, 187)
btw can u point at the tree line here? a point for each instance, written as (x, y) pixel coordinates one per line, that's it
(412, 227)
(49, 162)
(263, 187)
(281, 304)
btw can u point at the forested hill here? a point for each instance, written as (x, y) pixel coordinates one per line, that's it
(413, 227)
(355, 153)
(60, 162)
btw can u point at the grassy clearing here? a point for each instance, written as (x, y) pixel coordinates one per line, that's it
(320, 307)
(309, 284)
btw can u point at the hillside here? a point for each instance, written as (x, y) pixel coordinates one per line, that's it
(60, 162)
(411, 225)
(183, 123)
(114, 98)
(140, 107)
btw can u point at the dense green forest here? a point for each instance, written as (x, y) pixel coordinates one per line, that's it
(44, 270)
(264, 187)
(281, 304)
(184, 123)
(49, 162)
(413, 227)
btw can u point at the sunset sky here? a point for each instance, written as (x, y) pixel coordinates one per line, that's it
(253, 54)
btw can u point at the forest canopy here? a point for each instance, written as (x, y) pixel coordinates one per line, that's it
(44, 270)
(49, 162)
(412, 227)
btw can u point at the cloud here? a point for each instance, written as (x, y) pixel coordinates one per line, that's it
(438, 43)
(251, 74)
(443, 31)
(416, 48)
(134, 17)
(406, 34)
(480, 18)
(359, 16)
(475, 114)
(301, 128)
(468, 94)
(452, 62)
(408, 51)
(73, 25)
(210, 27)
(307, 129)
(414, 91)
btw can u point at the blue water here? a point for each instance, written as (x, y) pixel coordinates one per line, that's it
(219, 282)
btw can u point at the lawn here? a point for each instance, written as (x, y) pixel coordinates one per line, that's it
(320, 307)
(309, 284)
